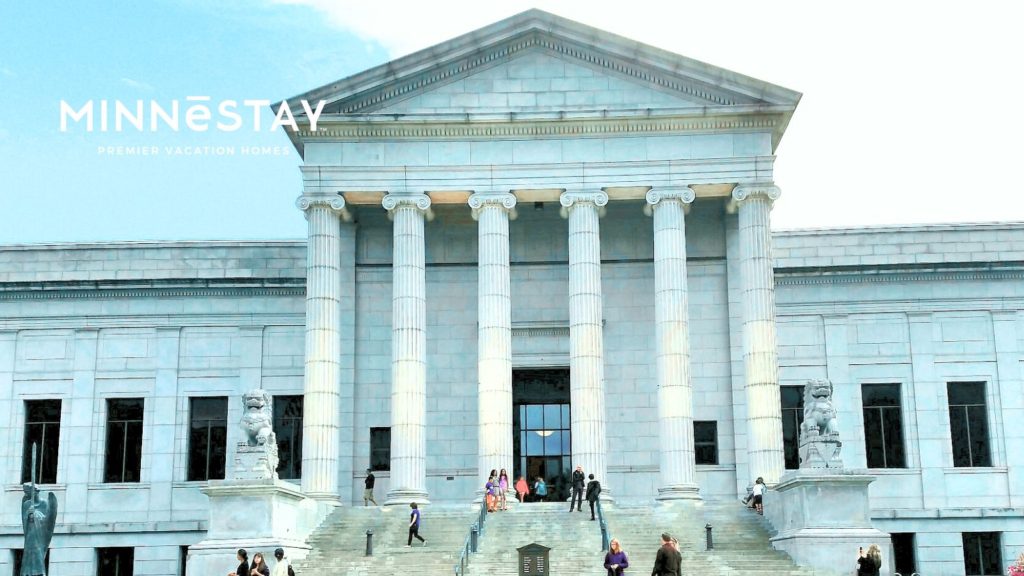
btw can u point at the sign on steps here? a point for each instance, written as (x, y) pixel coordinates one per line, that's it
(533, 560)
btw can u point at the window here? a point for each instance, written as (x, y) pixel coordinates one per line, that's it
(124, 440)
(380, 449)
(115, 561)
(705, 442)
(883, 426)
(288, 428)
(182, 559)
(903, 553)
(792, 417)
(981, 553)
(42, 427)
(207, 438)
(968, 424)
(18, 553)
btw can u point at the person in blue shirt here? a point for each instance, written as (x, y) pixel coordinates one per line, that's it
(540, 489)
(414, 526)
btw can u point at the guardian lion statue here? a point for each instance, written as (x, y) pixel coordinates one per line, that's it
(256, 419)
(819, 434)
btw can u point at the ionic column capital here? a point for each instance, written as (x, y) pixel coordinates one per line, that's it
(655, 196)
(572, 198)
(395, 200)
(503, 200)
(333, 202)
(745, 192)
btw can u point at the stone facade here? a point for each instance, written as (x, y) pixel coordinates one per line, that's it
(579, 138)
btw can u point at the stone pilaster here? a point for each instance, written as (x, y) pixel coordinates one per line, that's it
(408, 349)
(494, 350)
(322, 381)
(760, 356)
(586, 339)
(672, 344)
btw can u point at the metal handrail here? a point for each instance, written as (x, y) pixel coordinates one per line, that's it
(467, 547)
(605, 536)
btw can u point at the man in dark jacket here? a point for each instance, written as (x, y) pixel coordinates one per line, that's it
(668, 560)
(577, 489)
(593, 491)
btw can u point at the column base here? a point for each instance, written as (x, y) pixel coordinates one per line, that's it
(328, 498)
(679, 492)
(406, 497)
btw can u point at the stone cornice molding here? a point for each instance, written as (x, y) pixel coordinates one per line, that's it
(503, 200)
(573, 198)
(682, 194)
(745, 192)
(414, 200)
(333, 202)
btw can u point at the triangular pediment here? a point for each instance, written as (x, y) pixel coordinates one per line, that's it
(540, 43)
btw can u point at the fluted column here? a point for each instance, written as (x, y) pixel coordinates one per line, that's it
(322, 378)
(408, 349)
(672, 344)
(586, 340)
(760, 357)
(494, 337)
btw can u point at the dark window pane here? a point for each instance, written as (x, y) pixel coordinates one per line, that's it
(874, 439)
(982, 555)
(380, 449)
(972, 553)
(977, 425)
(792, 416)
(968, 423)
(705, 434)
(42, 428)
(878, 395)
(903, 553)
(207, 440)
(16, 561)
(182, 559)
(115, 561)
(966, 392)
(961, 440)
(892, 426)
(288, 428)
(123, 462)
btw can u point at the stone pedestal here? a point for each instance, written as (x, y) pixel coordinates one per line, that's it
(822, 517)
(256, 462)
(258, 515)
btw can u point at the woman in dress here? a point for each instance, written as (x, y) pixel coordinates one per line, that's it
(503, 486)
(616, 561)
(522, 489)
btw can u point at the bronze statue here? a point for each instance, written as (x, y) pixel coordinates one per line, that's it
(38, 518)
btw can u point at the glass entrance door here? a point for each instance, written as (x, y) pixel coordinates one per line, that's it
(540, 422)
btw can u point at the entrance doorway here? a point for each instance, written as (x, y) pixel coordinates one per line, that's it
(542, 442)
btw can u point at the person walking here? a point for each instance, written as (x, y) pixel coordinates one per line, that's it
(414, 526)
(368, 488)
(522, 489)
(578, 480)
(668, 559)
(283, 567)
(540, 489)
(616, 561)
(593, 492)
(759, 495)
(503, 486)
(870, 562)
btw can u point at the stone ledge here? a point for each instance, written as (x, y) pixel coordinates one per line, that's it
(118, 527)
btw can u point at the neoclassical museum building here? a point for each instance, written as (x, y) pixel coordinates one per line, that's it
(533, 246)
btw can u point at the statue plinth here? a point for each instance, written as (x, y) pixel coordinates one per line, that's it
(256, 462)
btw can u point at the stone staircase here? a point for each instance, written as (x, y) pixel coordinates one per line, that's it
(339, 545)
(741, 545)
(574, 540)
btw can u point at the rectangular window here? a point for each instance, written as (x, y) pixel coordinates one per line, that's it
(182, 559)
(42, 428)
(705, 441)
(903, 553)
(207, 438)
(288, 428)
(124, 440)
(18, 554)
(380, 448)
(115, 561)
(981, 553)
(792, 417)
(883, 426)
(968, 424)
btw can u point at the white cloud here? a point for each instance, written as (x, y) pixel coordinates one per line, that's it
(137, 84)
(908, 112)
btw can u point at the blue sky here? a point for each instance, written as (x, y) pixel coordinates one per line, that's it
(909, 112)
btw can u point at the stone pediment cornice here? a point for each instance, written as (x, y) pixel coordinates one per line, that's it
(369, 91)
